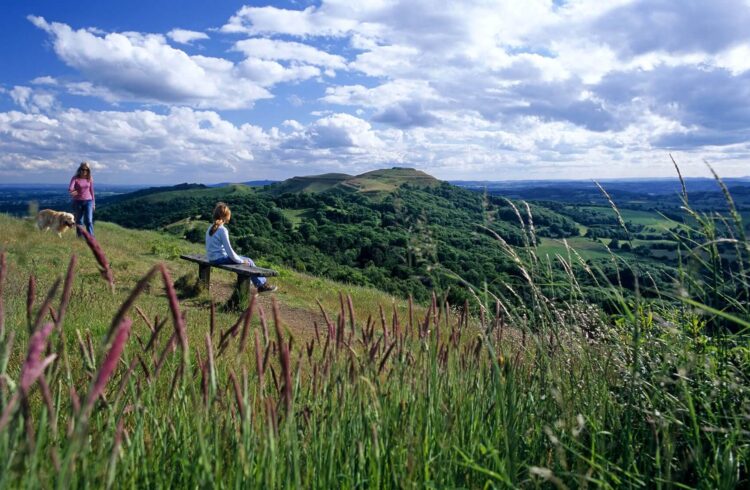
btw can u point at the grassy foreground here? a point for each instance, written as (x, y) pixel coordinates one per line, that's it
(536, 389)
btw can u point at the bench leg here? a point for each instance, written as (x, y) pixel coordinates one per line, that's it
(204, 276)
(241, 294)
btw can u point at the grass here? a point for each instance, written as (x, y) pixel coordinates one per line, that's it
(586, 247)
(133, 252)
(183, 226)
(217, 193)
(537, 388)
(651, 221)
(295, 216)
(312, 184)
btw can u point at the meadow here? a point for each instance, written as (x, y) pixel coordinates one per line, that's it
(109, 379)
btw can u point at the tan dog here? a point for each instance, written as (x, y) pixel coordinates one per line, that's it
(57, 220)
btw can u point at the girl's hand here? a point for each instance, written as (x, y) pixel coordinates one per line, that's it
(73, 193)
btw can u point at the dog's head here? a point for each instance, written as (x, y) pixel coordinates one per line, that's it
(69, 220)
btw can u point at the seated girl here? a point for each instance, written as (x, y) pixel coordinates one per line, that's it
(219, 251)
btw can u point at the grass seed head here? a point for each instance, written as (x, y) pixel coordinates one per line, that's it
(108, 365)
(100, 257)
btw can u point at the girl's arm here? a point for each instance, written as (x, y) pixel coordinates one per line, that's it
(72, 187)
(93, 198)
(224, 235)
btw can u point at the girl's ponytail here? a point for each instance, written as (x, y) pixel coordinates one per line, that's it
(221, 215)
(216, 226)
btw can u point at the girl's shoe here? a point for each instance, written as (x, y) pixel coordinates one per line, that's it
(267, 288)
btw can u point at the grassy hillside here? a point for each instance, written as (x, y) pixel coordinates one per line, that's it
(377, 184)
(151, 190)
(132, 253)
(312, 183)
(380, 183)
(533, 390)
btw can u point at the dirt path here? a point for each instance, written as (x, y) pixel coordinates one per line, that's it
(300, 321)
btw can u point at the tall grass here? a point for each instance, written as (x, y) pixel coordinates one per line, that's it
(534, 388)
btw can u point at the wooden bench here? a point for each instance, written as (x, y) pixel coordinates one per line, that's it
(244, 273)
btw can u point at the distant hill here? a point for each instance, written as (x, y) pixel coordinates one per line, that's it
(251, 183)
(661, 195)
(311, 183)
(154, 190)
(388, 180)
(374, 183)
(155, 195)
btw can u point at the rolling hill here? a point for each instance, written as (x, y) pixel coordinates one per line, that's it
(398, 230)
(376, 183)
(312, 183)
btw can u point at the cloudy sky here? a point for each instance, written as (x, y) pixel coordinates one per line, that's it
(164, 91)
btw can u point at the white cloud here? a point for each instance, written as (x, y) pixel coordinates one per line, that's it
(382, 95)
(143, 67)
(335, 131)
(269, 73)
(184, 36)
(271, 49)
(182, 142)
(310, 21)
(736, 59)
(387, 61)
(31, 100)
(47, 80)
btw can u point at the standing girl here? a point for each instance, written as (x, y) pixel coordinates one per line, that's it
(220, 251)
(81, 189)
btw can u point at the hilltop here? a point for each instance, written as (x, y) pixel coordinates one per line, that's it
(312, 183)
(374, 183)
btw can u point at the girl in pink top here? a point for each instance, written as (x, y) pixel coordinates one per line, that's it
(81, 189)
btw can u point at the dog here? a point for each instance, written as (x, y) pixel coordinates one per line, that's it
(57, 220)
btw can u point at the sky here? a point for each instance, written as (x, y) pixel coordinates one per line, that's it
(163, 92)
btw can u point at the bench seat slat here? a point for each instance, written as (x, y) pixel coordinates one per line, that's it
(242, 270)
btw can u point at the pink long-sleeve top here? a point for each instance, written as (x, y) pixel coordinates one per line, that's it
(84, 188)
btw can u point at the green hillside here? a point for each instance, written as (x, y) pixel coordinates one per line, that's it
(312, 183)
(142, 193)
(376, 183)
(386, 181)
(132, 252)
(399, 237)
(398, 230)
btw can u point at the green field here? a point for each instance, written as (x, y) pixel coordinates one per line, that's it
(649, 219)
(295, 215)
(585, 247)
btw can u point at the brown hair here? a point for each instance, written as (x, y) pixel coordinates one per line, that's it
(83, 167)
(222, 214)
